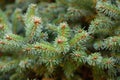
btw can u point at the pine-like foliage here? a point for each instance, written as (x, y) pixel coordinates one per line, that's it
(60, 40)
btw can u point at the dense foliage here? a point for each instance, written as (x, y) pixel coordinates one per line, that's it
(60, 40)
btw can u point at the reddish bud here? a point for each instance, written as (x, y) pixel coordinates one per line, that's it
(95, 57)
(37, 47)
(8, 37)
(1, 42)
(1, 26)
(80, 31)
(37, 20)
(63, 25)
(108, 62)
(114, 40)
(27, 49)
(78, 55)
(59, 41)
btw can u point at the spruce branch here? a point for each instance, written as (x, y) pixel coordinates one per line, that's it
(64, 30)
(78, 38)
(110, 43)
(5, 26)
(67, 39)
(99, 24)
(33, 24)
(108, 9)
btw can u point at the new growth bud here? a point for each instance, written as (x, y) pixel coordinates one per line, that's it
(37, 20)
(1, 42)
(59, 41)
(37, 47)
(63, 25)
(8, 37)
(1, 26)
